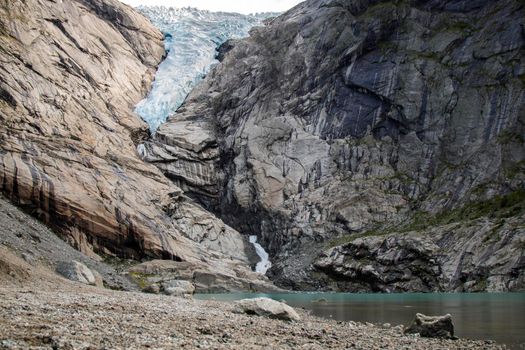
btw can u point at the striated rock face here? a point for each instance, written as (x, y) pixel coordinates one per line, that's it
(71, 72)
(359, 117)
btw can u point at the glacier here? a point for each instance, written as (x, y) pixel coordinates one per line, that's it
(191, 39)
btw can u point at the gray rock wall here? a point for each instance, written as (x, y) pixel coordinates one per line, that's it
(344, 118)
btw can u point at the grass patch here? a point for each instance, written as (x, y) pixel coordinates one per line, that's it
(498, 207)
(119, 264)
(515, 169)
(507, 137)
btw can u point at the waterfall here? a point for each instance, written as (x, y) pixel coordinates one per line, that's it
(263, 265)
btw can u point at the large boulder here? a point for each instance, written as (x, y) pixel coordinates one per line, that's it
(178, 288)
(432, 326)
(78, 272)
(268, 308)
(226, 276)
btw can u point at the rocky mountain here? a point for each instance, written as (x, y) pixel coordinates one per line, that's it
(371, 145)
(71, 74)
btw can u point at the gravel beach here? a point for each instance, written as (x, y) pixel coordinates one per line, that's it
(78, 317)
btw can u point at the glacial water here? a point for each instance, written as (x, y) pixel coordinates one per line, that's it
(493, 316)
(264, 264)
(191, 39)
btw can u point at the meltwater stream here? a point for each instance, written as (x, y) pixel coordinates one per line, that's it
(263, 265)
(191, 37)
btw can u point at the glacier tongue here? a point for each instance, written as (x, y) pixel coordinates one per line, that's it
(191, 39)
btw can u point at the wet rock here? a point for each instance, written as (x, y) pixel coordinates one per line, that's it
(268, 308)
(432, 326)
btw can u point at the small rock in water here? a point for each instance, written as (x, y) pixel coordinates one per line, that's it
(432, 326)
(268, 308)
(320, 301)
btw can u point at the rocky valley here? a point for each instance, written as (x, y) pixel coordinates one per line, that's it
(344, 146)
(369, 145)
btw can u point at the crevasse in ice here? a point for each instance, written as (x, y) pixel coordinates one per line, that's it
(191, 37)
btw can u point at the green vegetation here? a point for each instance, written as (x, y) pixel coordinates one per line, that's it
(492, 235)
(382, 10)
(508, 136)
(482, 284)
(499, 208)
(460, 26)
(119, 264)
(515, 170)
(350, 238)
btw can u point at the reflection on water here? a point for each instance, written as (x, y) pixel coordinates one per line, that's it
(496, 316)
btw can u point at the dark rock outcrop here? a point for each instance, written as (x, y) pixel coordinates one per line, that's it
(342, 119)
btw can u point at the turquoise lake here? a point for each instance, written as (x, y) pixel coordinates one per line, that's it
(486, 316)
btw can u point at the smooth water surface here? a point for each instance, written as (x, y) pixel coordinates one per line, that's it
(494, 316)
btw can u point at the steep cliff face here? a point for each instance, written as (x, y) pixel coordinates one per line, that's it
(71, 73)
(343, 121)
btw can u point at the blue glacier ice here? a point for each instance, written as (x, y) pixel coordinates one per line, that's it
(191, 37)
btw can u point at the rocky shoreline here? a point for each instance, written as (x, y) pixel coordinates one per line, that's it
(41, 310)
(78, 317)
